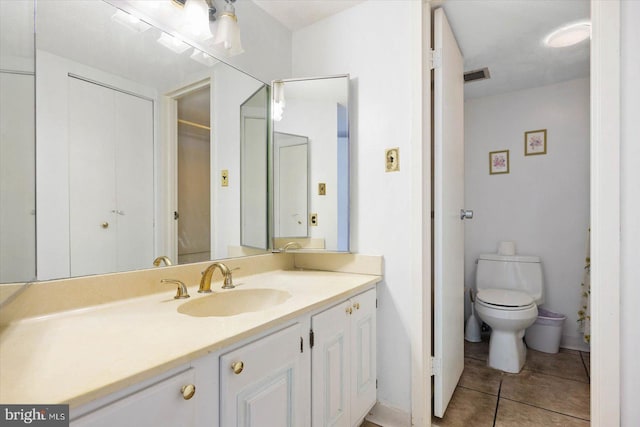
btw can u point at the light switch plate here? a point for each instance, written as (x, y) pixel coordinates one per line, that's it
(224, 178)
(392, 159)
(322, 189)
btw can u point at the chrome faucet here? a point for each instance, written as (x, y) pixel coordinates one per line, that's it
(164, 259)
(205, 281)
(291, 245)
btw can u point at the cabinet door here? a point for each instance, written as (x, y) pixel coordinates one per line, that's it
(363, 355)
(162, 404)
(268, 390)
(330, 367)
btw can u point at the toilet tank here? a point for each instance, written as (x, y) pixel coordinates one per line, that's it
(517, 272)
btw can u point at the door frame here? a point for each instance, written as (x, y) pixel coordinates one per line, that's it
(168, 158)
(605, 215)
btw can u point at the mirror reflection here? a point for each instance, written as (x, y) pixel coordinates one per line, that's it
(17, 142)
(135, 129)
(311, 163)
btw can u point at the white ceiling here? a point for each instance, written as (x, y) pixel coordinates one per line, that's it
(296, 14)
(505, 36)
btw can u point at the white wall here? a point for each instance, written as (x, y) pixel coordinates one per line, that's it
(380, 117)
(543, 203)
(229, 88)
(630, 206)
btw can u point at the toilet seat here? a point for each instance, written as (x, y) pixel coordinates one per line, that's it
(505, 299)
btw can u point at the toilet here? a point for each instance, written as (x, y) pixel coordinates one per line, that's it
(509, 292)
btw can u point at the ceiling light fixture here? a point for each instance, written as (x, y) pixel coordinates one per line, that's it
(569, 35)
(131, 22)
(277, 107)
(228, 32)
(172, 43)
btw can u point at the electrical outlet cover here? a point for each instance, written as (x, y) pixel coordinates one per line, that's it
(392, 159)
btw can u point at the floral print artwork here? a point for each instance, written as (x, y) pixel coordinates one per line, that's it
(499, 162)
(535, 142)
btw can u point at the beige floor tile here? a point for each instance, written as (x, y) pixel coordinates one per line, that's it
(477, 350)
(514, 414)
(565, 364)
(479, 377)
(548, 392)
(468, 408)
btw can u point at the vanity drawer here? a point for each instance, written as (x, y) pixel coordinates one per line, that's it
(171, 402)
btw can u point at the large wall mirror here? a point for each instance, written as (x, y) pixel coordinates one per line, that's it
(134, 144)
(311, 163)
(138, 148)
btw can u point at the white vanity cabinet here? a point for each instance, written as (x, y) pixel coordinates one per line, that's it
(184, 397)
(162, 404)
(265, 382)
(315, 370)
(343, 362)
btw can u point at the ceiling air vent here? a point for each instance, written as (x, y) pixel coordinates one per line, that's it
(481, 74)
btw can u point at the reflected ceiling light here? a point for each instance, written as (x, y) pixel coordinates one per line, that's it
(569, 35)
(228, 31)
(131, 22)
(277, 107)
(203, 58)
(197, 15)
(172, 43)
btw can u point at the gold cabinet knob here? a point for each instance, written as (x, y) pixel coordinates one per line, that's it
(349, 310)
(237, 367)
(188, 391)
(356, 306)
(105, 225)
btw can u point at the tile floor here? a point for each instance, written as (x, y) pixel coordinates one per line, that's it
(551, 390)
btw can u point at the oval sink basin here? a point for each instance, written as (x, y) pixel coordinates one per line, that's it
(235, 302)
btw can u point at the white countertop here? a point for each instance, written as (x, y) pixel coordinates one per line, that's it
(79, 355)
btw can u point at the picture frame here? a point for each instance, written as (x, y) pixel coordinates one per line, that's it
(535, 142)
(499, 162)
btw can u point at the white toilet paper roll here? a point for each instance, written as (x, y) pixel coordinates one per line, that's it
(507, 248)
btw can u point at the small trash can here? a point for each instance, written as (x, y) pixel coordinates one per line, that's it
(544, 335)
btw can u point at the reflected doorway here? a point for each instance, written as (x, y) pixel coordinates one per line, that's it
(194, 172)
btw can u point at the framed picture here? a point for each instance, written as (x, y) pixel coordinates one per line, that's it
(499, 162)
(535, 142)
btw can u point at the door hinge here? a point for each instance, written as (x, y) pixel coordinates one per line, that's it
(376, 302)
(436, 365)
(176, 215)
(311, 338)
(301, 345)
(376, 383)
(435, 58)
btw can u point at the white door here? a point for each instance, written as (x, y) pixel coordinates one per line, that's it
(363, 355)
(134, 181)
(110, 179)
(448, 201)
(17, 178)
(330, 370)
(92, 195)
(267, 389)
(293, 190)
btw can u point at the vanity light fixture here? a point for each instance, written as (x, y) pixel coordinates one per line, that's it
(228, 31)
(277, 107)
(131, 22)
(569, 35)
(203, 58)
(197, 16)
(172, 43)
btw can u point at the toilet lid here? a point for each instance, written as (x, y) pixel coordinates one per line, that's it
(504, 297)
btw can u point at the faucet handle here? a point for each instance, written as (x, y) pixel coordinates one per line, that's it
(181, 292)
